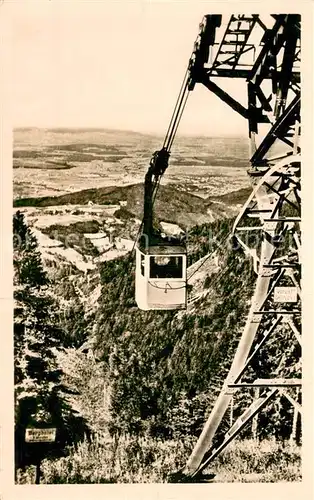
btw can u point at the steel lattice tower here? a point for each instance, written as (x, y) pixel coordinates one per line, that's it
(265, 53)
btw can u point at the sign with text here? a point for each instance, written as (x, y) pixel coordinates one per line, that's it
(33, 435)
(285, 294)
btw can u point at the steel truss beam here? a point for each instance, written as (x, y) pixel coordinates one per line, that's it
(273, 244)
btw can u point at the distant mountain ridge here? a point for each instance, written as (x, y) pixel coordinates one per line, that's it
(79, 130)
(75, 130)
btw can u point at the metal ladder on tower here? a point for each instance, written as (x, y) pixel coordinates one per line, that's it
(235, 41)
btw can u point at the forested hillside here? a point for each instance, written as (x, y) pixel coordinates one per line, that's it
(174, 204)
(142, 383)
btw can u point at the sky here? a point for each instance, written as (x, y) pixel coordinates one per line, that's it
(114, 64)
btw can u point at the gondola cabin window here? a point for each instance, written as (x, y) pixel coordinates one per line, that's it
(165, 266)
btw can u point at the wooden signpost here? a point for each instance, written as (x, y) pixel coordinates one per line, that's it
(40, 435)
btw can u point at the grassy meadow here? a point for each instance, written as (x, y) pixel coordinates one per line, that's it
(147, 460)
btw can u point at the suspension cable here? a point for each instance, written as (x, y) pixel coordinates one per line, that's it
(183, 85)
(210, 254)
(177, 113)
(171, 133)
(179, 119)
(181, 101)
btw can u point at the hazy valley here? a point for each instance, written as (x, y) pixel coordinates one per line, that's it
(52, 162)
(82, 192)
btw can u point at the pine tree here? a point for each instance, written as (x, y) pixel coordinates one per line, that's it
(41, 400)
(27, 260)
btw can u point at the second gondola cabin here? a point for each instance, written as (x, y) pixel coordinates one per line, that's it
(161, 275)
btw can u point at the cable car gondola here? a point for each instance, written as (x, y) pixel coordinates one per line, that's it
(161, 261)
(161, 276)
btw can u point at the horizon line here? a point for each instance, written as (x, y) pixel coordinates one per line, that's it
(113, 129)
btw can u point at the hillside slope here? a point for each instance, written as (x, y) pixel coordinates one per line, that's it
(153, 377)
(172, 205)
